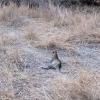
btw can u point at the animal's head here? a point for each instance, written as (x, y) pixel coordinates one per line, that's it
(54, 52)
(55, 55)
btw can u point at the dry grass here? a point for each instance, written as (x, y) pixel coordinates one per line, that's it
(74, 22)
(12, 13)
(16, 59)
(76, 25)
(29, 34)
(7, 13)
(6, 95)
(54, 41)
(61, 27)
(90, 38)
(86, 87)
(6, 78)
(13, 78)
(5, 40)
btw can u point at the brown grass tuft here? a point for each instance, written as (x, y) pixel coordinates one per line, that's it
(86, 87)
(6, 95)
(54, 41)
(5, 40)
(29, 34)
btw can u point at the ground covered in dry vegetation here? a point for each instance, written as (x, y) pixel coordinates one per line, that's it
(27, 38)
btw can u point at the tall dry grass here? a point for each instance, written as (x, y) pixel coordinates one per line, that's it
(85, 87)
(78, 24)
(78, 21)
(6, 40)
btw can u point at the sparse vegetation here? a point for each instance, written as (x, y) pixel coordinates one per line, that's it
(29, 31)
(6, 41)
(86, 87)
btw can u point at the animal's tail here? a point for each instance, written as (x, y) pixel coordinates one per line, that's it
(45, 68)
(60, 66)
(49, 67)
